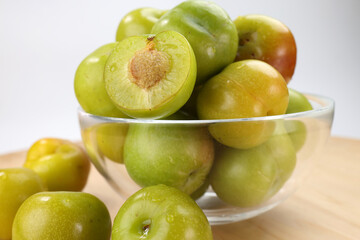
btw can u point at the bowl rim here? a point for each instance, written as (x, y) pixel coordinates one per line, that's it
(327, 102)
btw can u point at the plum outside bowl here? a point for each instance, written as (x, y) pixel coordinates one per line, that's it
(104, 138)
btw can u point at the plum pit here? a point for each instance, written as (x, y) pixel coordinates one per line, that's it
(148, 66)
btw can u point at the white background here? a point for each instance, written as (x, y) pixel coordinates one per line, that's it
(42, 43)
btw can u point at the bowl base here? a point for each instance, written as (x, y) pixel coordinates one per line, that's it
(219, 213)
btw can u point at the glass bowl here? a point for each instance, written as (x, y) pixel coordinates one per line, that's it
(260, 187)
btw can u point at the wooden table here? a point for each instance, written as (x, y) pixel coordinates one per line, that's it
(326, 207)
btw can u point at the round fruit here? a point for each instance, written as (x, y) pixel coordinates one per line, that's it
(297, 132)
(61, 164)
(296, 128)
(283, 153)
(174, 155)
(161, 212)
(297, 102)
(90, 87)
(243, 177)
(209, 30)
(190, 105)
(201, 190)
(138, 22)
(110, 139)
(62, 215)
(249, 177)
(267, 39)
(244, 89)
(16, 185)
(151, 76)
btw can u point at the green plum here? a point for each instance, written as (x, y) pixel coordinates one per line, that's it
(297, 132)
(88, 136)
(16, 185)
(151, 76)
(244, 89)
(266, 39)
(249, 177)
(297, 102)
(61, 164)
(160, 212)
(190, 105)
(284, 154)
(201, 190)
(243, 177)
(296, 128)
(175, 155)
(210, 31)
(138, 22)
(110, 139)
(89, 84)
(62, 215)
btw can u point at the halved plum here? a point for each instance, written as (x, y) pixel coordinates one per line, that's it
(151, 76)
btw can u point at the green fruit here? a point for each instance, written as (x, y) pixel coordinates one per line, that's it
(201, 190)
(89, 84)
(297, 102)
(175, 155)
(179, 115)
(210, 31)
(297, 133)
(243, 177)
(244, 89)
(190, 105)
(16, 185)
(62, 215)
(266, 39)
(110, 139)
(161, 212)
(61, 164)
(88, 136)
(295, 128)
(249, 177)
(284, 154)
(138, 22)
(151, 76)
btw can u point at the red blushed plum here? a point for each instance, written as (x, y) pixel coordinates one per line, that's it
(244, 89)
(269, 40)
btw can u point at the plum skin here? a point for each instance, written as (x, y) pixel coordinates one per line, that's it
(138, 22)
(244, 89)
(16, 185)
(210, 32)
(269, 40)
(62, 215)
(178, 156)
(161, 212)
(61, 164)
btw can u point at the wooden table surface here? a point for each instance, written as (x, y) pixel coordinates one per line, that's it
(326, 207)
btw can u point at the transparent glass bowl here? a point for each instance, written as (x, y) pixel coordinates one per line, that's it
(104, 140)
